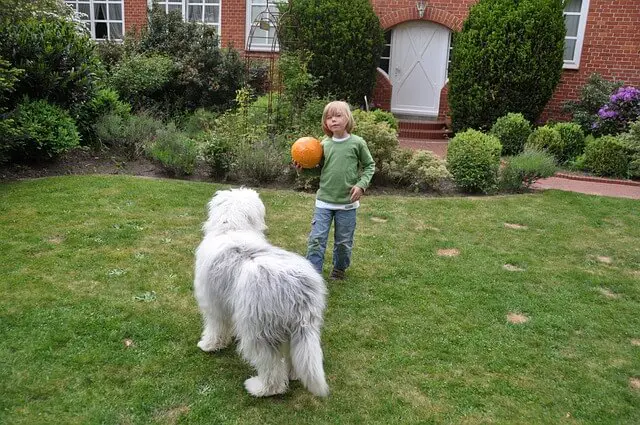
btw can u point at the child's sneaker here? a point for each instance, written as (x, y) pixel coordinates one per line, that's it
(336, 274)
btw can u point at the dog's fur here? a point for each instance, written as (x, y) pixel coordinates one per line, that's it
(270, 299)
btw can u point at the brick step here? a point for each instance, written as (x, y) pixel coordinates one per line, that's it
(425, 134)
(421, 125)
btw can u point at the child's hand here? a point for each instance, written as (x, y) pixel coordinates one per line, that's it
(296, 165)
(356, 193)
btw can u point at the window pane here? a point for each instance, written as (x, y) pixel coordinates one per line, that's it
(569, 49)
(86, 9)
(573, 6)
(194, 13)
(571, 22)
(115, 12)
(384, 64)
(116, 31)
(211, 14)
(100, 12)
(173, 7)
(101, 30)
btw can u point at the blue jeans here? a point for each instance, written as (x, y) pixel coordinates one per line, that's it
(344, 228)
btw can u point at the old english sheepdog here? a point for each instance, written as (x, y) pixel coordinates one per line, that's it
(271, 300)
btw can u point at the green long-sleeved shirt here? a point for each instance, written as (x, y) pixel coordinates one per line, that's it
(340, 171)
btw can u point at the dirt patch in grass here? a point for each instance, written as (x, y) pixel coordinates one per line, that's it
(512, 268)
(635, 342)
(604, 259)
(450, 252)
(515, 226)
(517, 318)
(634, 383)
(608, 293)
(172, 415)
(378, 220)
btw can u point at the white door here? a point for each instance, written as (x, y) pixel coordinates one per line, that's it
(419, 55)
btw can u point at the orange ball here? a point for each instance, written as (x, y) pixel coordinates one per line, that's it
(307, 151)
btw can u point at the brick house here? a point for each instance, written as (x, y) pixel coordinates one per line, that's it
(602, 36)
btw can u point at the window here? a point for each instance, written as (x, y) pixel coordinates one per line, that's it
(261, 17)
(575, 19)
(386, 52)
(104, 18)
(203, 11)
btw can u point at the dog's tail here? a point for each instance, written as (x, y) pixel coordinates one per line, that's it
(306, 359)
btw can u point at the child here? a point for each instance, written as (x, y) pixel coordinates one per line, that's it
(341, 186)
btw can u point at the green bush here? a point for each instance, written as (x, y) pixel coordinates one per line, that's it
(207, 76)
(512, 130)
(144, 81)
(548, 139)
(473, 158)
(381, 139)
(507, 58)
(607, 156)
(332, 29)
(218, 152)
(522, 170)
(174, 150)
(105, 101)
(111, 53)
(572, 140)
(417, 170)
(59, 63)
(127, 135)
(8, 77)
(385, 116)
(201, 120)
(260, 162)
(44, 131)
(632, 140)
(593, 95)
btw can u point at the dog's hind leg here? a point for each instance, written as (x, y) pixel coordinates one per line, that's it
(271, 366)
(217, 333)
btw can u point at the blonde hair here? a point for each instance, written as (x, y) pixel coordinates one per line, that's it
(334, 108)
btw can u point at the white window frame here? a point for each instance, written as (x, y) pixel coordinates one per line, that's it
(184, 7)
(259, 47)
(91, 21)
(579, 37)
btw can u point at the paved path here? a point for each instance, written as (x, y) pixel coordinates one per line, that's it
(561, 181)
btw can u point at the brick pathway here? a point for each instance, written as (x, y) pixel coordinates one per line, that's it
(561, 181)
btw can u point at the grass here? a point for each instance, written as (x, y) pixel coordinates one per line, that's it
(98, 323)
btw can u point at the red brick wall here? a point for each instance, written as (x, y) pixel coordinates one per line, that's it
(135, 15)
(611, 48)
(611, 45)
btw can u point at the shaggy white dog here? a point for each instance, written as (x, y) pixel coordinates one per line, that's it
(270, 299)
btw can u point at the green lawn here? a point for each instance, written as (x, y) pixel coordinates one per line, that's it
(98, 323)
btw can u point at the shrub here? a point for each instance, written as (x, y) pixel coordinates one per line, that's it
(59, 63)
(260, 162)
(201, 120)
(632, 141)
(218, 153)
(593, 95)
(44, 131)
(512, 130)
(572, 140)
(331, 29)
(418, 170)
(380, 115)
(128, 135)
(8, 77)
(607, 156)
(298, 84)
(111, 53)
(473, 158)
(144, 81)
(174, 150)
(105, 101)
(547, 138)
(522, 170)
(622, 109)
(381, 139)
(207, 75)
(507, 58)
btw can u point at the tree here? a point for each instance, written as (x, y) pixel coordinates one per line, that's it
(344, 38)
(507, 58)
